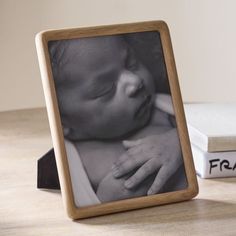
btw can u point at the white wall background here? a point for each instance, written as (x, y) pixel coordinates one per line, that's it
(203, 36)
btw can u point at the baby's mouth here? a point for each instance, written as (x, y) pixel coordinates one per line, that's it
(144, 106)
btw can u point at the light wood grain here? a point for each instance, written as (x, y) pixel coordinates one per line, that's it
(25, 210)
(74, 212)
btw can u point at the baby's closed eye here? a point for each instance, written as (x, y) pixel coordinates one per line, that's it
(98, 90)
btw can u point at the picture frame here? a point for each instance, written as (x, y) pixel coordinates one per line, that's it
(117, 35)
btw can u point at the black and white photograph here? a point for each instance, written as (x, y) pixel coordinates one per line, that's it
(117, 117)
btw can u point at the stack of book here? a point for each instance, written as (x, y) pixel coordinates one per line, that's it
(212, 132)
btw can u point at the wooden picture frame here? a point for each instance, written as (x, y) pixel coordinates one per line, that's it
(131, 33)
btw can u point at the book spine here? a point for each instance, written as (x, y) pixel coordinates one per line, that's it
(211, 143)
(214, 165)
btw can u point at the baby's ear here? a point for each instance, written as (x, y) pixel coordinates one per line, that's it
(66, 131)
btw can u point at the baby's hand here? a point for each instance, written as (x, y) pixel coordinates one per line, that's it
(112, 189)
(156, 153)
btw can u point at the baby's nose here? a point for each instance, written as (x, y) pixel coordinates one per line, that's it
(132, 83)
(133, 89)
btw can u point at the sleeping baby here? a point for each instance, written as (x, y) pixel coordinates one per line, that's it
(121, 139)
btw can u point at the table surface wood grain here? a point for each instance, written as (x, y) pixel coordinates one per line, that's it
(25, 210)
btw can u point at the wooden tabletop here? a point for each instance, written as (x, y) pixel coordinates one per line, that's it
(25, 210)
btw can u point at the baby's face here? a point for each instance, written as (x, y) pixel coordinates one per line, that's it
(105, 92)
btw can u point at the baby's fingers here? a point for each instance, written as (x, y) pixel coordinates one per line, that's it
(130, 163)
(141, 174)
(123, 158)
(162, 176)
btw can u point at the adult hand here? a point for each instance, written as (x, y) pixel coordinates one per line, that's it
(156, 153)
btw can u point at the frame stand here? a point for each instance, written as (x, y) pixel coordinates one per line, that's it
(47, 176)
